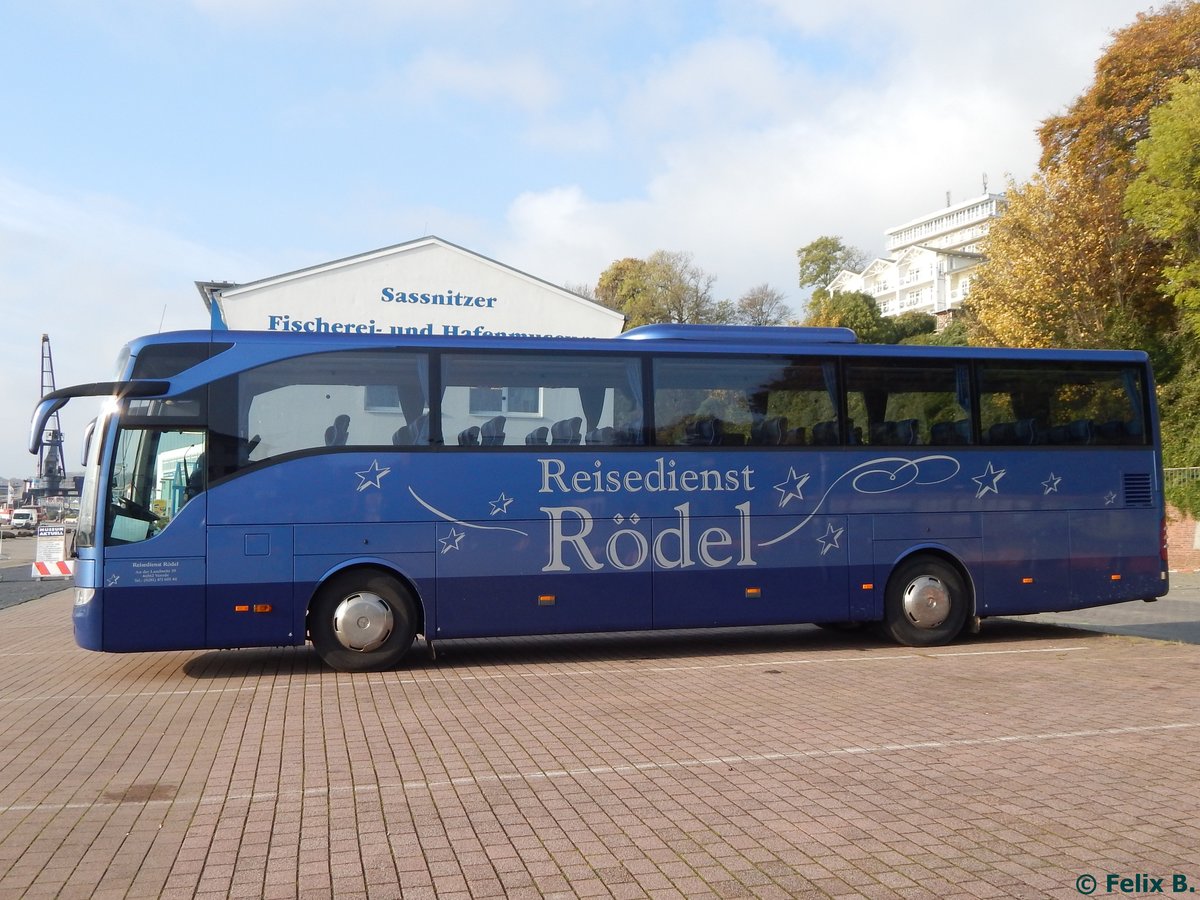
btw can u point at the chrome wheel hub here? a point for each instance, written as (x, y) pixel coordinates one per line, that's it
(926, 602)
(362, 621)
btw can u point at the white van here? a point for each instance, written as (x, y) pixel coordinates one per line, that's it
(24, 520)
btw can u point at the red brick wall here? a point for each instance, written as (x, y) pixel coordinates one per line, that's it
(1181, 538)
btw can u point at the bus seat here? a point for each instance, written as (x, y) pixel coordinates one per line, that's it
(945, 433)
(907, 432)
(603, 435)
(1058, 434)
(881, 432)
(196, 478)
(412, 433)
(491, 432)
(1002, 433)
(825, 434)
(538, 436)
(769, 432)
(1026, 431)
(338, 433)
(1080, 431)
(565, 431)
(469, 437)
(797, 437)
(704, 432)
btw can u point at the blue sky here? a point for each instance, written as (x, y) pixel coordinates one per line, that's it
(148, 144)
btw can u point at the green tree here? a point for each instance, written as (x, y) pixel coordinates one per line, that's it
(855, 310)
(762, 305)
(1165, 197)
(912, 324)
(821, 260)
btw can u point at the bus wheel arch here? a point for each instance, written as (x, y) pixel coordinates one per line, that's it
(928, 600)
(364, 618)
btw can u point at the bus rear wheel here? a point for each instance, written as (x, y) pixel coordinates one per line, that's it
(362, 621)
(925, 603)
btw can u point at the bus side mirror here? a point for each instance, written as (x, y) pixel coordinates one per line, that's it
(41, 416)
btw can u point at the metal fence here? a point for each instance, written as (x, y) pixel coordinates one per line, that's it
(1181, 477)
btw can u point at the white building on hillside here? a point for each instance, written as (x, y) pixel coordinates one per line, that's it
(930, 260)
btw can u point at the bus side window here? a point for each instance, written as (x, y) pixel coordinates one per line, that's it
(906, 403)
(534, 400)
(1065, 403)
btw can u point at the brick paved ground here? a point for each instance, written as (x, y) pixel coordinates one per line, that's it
(779, 763)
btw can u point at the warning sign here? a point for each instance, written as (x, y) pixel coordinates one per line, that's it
(51, 559)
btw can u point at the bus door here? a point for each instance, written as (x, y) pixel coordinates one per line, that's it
(154, 556)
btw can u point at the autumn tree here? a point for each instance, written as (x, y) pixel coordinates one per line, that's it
(1133, 75)
(622, 282)
(1165, 197)
(821, 260)
(1063, 270)
(1066, 266)
(667, 286)
(762, 305)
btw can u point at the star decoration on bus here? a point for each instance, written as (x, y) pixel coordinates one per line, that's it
(792, 487)
(1110, 498)
(370, 477)
(1051, 484)
(500, 505)
(112, 581)
(830, 539)
(989, 480)
(452, 541)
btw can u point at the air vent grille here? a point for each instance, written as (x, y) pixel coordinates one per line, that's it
(1138, 490)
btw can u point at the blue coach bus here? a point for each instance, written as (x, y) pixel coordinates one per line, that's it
(253, 489)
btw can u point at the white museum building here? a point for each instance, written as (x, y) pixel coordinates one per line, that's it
(930, 259)
(426, 286)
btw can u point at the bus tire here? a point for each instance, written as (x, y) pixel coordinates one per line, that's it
(362, 621)
(926, 602)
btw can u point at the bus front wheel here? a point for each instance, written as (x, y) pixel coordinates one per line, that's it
(362, 621)
(926, 603)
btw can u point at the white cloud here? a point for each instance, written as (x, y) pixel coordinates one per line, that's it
(91, 274)
(714, 86)
(763, 156)
(436, 76)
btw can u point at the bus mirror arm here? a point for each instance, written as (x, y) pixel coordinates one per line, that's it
(56, 400)
(41, 415)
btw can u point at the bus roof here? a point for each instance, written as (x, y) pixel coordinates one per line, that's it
(263, 346)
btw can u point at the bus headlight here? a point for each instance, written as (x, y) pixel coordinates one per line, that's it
(83, 596)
